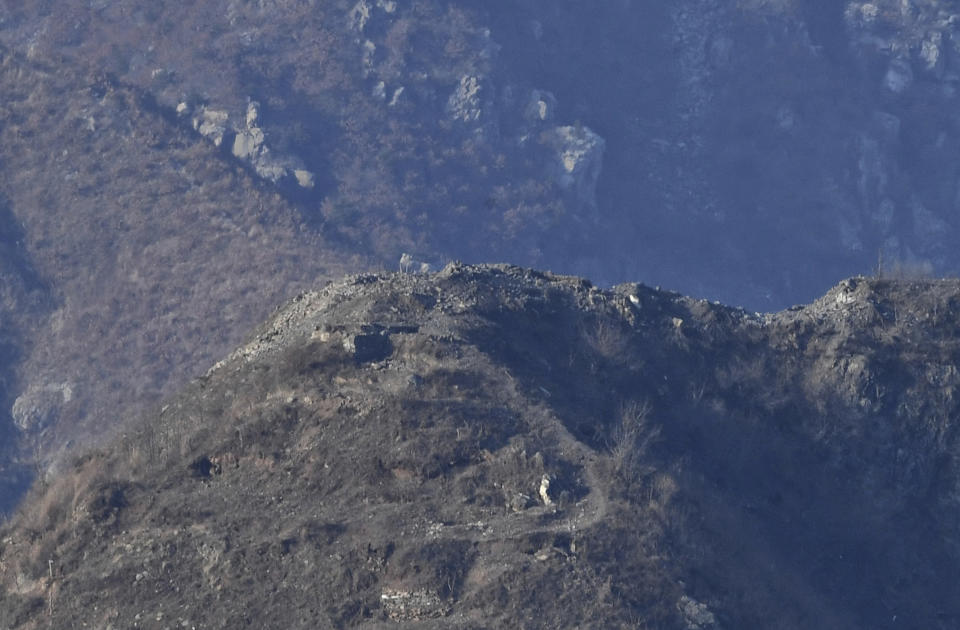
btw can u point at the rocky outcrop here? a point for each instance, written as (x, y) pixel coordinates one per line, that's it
(696, 615)
(39, 406)
(577, 160)
(211, 123)
(464, 104)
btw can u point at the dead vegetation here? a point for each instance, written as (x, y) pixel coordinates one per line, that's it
(475, 472)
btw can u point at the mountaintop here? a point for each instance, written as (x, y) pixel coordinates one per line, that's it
(169, 171)
(490, 446)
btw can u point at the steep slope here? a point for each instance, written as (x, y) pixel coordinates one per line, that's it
(680, 141)
(499, 447)
(147, 250)
(154, 154)
(23, 299)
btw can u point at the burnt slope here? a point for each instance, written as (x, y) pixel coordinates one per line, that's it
(497, 447)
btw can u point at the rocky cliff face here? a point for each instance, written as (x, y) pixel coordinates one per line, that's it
(753, 151)
(494, 446)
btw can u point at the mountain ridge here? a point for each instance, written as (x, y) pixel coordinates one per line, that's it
(463, 448)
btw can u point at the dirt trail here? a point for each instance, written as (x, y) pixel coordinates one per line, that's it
(585, 513)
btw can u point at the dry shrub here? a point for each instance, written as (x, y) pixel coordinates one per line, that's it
(630, 442)
(608, 340)
(517, 474)
(58, 504)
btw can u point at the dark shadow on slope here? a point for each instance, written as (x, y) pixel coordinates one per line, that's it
(829, 521)
(24, 296)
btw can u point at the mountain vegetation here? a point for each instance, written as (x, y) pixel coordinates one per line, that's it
(499, 447)
(487, 445)
(169, 173)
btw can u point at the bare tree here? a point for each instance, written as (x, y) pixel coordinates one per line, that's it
(631, 439)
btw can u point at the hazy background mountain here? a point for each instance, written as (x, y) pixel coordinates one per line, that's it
(749, 151)
(169, 172)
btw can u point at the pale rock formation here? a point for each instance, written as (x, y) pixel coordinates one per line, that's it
(40, 405)
(696, 615)
(578, 161)
(359, 15)
(930, 52)
(253, 114)
(540, 107)
(464, 104)
(212, 124)
(248, 143)
(411, 605)
(304, 178)
(369, 57)
(408, 264)
(545, 490)
(268, 169)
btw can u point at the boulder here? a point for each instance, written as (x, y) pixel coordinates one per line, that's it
(304, 178)
(40, 405)
(578, 159)
(248, 143)
(540, 107)
(212, 124)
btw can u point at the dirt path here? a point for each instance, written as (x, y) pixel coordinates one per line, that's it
(579, 516)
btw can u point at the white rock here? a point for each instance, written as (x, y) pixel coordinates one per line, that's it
(212, 124)
(579, 159)
(39, 406)
(539, 107)
(359, 15)
(253, 114)
(396, 96)
(544, 490)
(930, 50)
(369, 53)
(269, 170)
(869, 11)
(464, 103)
(304, 178)
(247, 144)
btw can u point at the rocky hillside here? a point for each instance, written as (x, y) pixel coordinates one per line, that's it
(170, 171)
(751, 151)
(490, 446)
(133, 254)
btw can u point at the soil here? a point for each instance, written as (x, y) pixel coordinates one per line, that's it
(491, 446)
